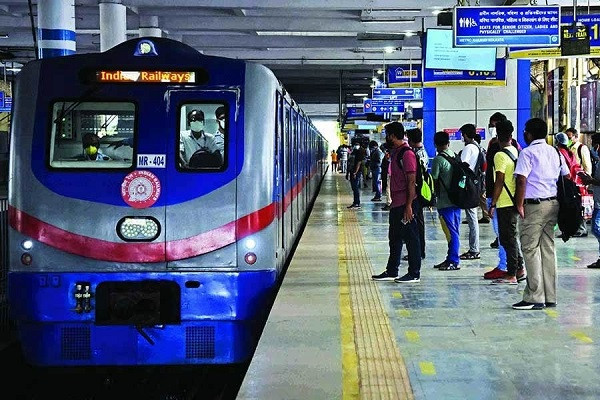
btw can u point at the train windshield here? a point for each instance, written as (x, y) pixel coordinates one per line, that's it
(91, 134)
(202, 136)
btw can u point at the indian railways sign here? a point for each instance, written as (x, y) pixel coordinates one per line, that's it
(537, 26)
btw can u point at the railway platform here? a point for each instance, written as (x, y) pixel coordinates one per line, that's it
(333, 333)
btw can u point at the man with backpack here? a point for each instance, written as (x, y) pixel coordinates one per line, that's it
(503, 204)
(538, 167)
(441, 172)
(472, 155)
(403, 225)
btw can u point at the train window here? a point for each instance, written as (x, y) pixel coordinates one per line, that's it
(202, 136)
(84, 133)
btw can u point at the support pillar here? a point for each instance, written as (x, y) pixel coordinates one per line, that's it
(149, 26)
(113, 23)
(56, 28)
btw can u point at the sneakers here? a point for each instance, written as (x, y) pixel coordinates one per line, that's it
(449, 266)
(512, 280)
(470, 255)
(494, 244)
(407, 279)
(354, 207)
(524, 305)
(521, 274)
(484, 220)
(496, 273)
(440, 265)
(550, 305)
(384, 276)
(376, 199)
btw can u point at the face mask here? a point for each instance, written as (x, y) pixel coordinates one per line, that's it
(492, 131)
(221, 123)
(91, 150)
(196, 126)
(356, 147)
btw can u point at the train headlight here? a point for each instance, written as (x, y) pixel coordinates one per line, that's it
(250, 244)
(26, 244)
(250, 258)
(138, 229)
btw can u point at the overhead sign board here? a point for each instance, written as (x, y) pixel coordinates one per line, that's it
(355, 112)
(404, 75)
(442, 77)
(519, 26)
(383, 106)
(398, 94)
(575, 40)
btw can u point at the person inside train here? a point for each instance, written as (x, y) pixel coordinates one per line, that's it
(221, 116)
(198, 149)
(91, 148)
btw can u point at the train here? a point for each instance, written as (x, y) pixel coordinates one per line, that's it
(155, 198)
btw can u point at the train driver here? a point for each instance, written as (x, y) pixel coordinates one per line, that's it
(91, 148)
(197, 147)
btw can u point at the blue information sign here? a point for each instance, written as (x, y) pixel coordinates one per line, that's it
(355, 113)
(507, 26)
(404, 75)
(398, 94)
(443, 77)
(8, 102)
(383, 106)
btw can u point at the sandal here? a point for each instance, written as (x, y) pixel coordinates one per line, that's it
(470, 256)
(449, 266)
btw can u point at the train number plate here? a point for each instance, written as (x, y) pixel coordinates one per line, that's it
(151, 160)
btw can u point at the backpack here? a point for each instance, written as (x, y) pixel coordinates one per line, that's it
(423, 180)
(570, 210)
(376, 156)
(514, 160)
(465, 185)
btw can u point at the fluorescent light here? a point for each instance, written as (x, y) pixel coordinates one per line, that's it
(409, 33)
(436, 12)
(306, 33)
(359, 94)
(403, 21)
(3, 35)
(389, 49)
(411, 48)
(380, 71)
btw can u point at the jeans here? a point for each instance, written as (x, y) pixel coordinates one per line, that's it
(501, 251)
(376, 181)
(473, 229)
(596, 226)
(355, 183)
(450, 217)
(400, 233)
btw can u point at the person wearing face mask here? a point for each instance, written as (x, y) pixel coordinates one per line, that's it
(91, 148)
(221, 116)
(196, 140)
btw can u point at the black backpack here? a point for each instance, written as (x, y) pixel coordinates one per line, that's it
(465, 186)
(423, 180)
(570, 210)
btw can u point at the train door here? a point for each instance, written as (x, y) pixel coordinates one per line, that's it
(201, 195)
(279, 175)
(288, 169)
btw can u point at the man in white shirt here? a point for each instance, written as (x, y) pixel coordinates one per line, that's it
(538, 168)
(195, 140)
(471, 154)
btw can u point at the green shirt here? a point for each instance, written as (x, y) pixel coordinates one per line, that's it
(441, 171)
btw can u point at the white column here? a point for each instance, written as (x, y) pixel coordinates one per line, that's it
(56, 28)
(149, 26)
(113, 23)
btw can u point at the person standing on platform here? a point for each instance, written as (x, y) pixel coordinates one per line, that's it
(334, 161)
(441, 172)
(595, 182)
(375, 166)
(538, 167)
(415, 141)
(471, 154)
(402, 223)
(356, 170)
(503, 205)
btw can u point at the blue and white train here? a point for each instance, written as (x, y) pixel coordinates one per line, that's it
(138, 235)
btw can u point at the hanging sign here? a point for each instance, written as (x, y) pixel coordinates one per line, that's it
(404, 75)
(398, 94)
(442, 77)
(519, 26)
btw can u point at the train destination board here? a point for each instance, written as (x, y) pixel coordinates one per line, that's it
(147, 76)
(519, 26)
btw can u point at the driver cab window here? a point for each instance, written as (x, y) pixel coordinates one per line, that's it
(203, 131)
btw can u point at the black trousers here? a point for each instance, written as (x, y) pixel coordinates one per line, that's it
(508, 238)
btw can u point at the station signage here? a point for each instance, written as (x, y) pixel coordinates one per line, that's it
(355, 113)
(592, 22)
(404, 75)
(518, 26)
(376, 106)
(398, 94)
(146, 76)
(442, 77)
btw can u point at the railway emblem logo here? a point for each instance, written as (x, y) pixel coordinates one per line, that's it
(140, 189)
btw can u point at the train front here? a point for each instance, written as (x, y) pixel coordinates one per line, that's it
(124, 224)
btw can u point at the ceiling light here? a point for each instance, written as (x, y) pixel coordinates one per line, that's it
(389, 49)
(3, 35)
(411, 48)
(409, 33)
(374, 79)
(304, 33)
(436, 12)
(380, 71)
(365, 98)
(359, 94)
(373, 86)
(390, 21)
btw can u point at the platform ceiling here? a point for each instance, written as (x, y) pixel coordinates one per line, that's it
(321, 50)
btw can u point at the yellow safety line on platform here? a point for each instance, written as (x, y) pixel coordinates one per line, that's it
(382, 373)
(427, 368)
(582, 337)
(350, 380)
